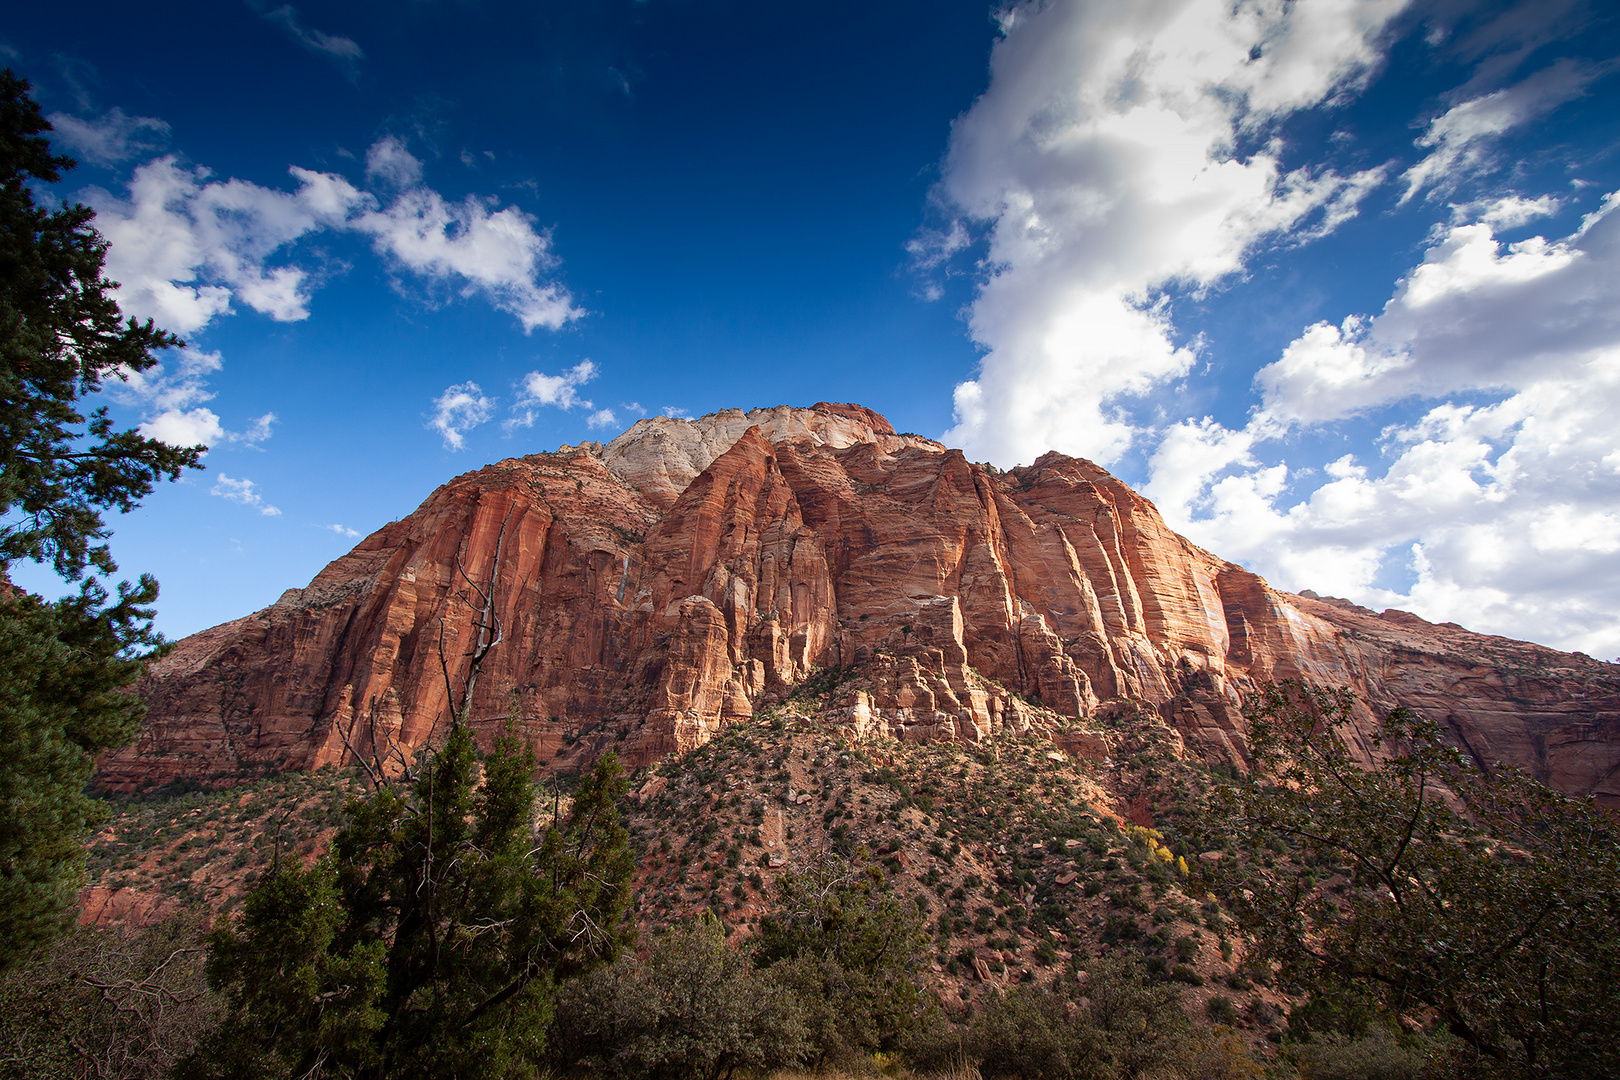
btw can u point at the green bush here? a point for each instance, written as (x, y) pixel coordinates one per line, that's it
(694, 1010)
(852, 952)
(108, 1003)
(1377, 1055)
(1221, 1010)
(427, 941)
(1481, 898)
(1114, 1025)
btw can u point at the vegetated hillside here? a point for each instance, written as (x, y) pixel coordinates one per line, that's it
(1026, 860)
(184, 848)
(1015, 853)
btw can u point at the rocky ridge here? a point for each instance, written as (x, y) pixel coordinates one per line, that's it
(648, 592)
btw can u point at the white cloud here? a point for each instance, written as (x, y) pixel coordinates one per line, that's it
(113, 138)
(1102, 158)
(1460, 139)
(1474, 315)
(931, 247)
(537, 390)
(458, 410)
(257, 431)
(1507, 212)
(183, 246)
(498, 254)
(170, 397)
(390, 162)
(342, 51)
(602, 418)
(167, 386)
(343, 530)
(188, 427)
(244, 492)
(186, 247)
(1499, 505)
(1109, 166)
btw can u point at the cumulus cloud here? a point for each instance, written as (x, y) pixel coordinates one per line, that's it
(1103, 161)
(1496, 506)
(1126, 155)
(1460, 139)
(183, 246)
(186, 247)
(171, 396)
(244, 492)
(458, 410)
(602, 418)
(343, 530)
(1507, 211)
(1476, 314)
(111, 139)
(496, 253)
(162, 387)
(537, 390)
(188, 427)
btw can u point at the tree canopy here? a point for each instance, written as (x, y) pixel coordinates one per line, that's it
(63, 664)
(695, 1010)
(852, 951)
(428, 940)
(1429, 887)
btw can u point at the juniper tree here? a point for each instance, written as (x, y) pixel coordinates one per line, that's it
(852, 951)
(428, 941)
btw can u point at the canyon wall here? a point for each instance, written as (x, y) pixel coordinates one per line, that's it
(642, 593)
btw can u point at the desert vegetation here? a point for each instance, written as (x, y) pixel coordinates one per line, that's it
(927, 909)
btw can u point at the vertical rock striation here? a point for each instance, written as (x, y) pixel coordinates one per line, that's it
(646, 592)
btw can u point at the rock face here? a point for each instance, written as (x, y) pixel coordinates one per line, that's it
(643, 593)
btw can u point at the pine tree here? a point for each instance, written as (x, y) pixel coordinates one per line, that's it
(63, 665)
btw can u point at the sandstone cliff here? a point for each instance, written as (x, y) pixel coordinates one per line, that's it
(646, 592)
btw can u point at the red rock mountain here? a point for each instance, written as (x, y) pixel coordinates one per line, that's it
(646, 592)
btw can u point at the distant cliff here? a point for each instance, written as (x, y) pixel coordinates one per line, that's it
(643, 593)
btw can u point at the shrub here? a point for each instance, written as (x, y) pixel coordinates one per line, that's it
(853, 954)
(108, 1003)
(1027, 1033)
(1481, 896)
(1221, 1010)
(1377, 1055)
(1113, 1026)
(694, 1010)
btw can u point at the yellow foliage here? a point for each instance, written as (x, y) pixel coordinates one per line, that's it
(1224, 1057)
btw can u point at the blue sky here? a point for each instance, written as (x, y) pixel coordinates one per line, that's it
(1334, 282)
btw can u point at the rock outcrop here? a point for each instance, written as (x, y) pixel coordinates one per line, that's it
(644, 593)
